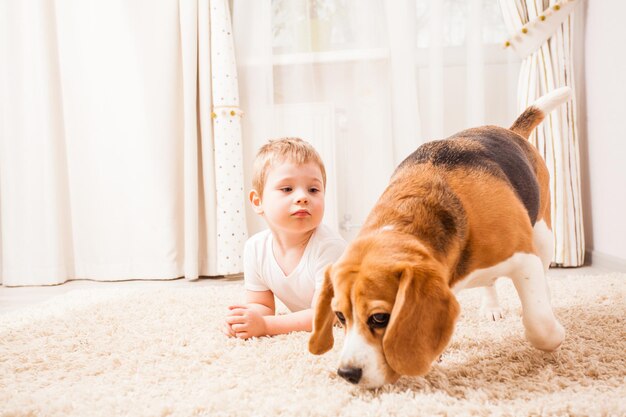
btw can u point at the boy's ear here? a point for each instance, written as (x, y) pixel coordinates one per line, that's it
(255, 200)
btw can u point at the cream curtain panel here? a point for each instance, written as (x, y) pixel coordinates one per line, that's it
(542, 34)
(120, 145)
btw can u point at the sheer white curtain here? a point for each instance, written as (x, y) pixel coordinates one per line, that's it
(111, 166)
(368, 81)
(542, 33)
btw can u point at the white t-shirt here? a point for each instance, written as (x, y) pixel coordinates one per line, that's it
(262, 272)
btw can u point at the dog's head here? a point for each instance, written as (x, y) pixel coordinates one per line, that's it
(395, 306)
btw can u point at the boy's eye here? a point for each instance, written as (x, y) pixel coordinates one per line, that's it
(286, 189)
(314, 190)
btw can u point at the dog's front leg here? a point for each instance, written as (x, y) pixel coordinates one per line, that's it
(543, 330)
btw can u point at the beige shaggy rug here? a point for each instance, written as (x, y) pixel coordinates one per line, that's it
(158, 352)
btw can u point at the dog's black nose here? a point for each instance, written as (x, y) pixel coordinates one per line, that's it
(350, 374)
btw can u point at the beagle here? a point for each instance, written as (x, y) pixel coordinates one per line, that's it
(458, 213)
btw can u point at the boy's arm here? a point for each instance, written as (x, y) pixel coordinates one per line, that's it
(261, 301)
(256, 318)
(293, 322)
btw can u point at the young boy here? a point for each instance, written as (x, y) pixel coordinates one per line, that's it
(289, 259)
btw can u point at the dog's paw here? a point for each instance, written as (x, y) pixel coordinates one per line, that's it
(489, 306)
(491, 313)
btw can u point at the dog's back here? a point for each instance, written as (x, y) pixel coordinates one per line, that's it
(474, 197)
(492, 150)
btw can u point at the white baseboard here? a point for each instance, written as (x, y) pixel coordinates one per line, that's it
(602, 260)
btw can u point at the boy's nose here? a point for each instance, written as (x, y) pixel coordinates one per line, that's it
(302, 199)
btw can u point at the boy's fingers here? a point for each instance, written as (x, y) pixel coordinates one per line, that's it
(237, 306)
(242, 335)
(236, 312)
(235, 320)
(238, 327)
(227, 330)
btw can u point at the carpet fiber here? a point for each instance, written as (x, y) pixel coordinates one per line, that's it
(158, 352)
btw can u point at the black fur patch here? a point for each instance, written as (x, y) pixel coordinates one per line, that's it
(462, 264)
(491, 149)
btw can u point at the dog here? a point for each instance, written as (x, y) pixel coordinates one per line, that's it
(457, 213)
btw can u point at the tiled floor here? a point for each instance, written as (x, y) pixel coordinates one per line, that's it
(12, 298)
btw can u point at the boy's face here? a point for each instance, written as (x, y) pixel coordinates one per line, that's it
(293, 198)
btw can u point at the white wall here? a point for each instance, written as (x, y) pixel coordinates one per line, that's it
(603, 130)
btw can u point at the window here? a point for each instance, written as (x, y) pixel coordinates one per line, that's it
(455, 19)
(301, 26)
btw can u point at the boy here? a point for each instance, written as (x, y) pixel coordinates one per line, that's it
(289, 259)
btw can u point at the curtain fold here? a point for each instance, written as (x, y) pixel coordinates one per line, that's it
(542, 33)
(475, 63)
(227, 152)
(401, 26)
(252, 27)
(436, 96)
(189, 40)
(33, 169)
(108, 161)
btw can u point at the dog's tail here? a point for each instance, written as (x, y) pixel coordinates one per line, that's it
(537, 111)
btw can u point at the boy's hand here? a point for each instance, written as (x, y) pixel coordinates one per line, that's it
(227, 329)
(245, 322)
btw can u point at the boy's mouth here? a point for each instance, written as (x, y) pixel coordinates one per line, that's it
(301, 213)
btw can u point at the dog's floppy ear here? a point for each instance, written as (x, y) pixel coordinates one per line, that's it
(421, 322)
(321, 339)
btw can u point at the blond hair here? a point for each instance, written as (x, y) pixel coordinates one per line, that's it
(294, 150)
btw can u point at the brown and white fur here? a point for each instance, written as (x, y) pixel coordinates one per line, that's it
(457, 213)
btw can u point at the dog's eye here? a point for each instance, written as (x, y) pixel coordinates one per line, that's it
(341, 318)
(378, 321)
